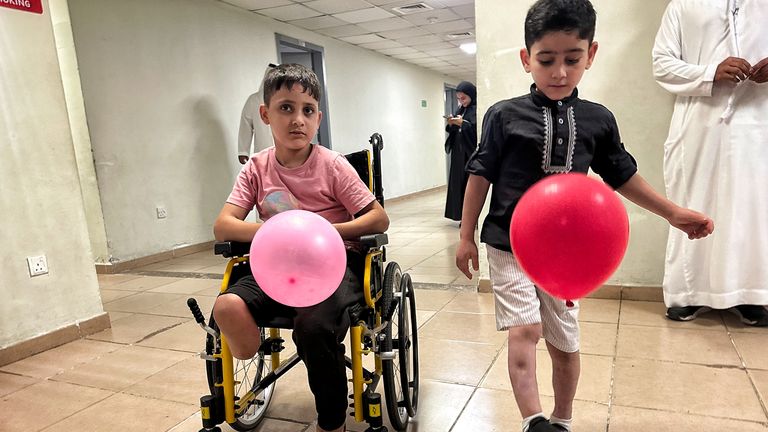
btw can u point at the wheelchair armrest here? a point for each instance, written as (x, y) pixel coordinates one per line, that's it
(374, 241)
(229, 249)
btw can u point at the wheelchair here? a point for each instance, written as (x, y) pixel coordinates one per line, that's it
(384, 325)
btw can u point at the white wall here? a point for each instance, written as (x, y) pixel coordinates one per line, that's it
(620, 79)
(164, 83)
(40, 201)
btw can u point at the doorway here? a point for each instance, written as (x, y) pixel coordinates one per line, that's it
(449, 101)
(290, 50)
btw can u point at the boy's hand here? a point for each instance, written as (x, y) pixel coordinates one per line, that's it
(467, 251)
(733, 69)
(695, 224)
(760, 72)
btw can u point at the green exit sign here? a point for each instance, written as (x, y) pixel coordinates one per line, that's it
(423, 103)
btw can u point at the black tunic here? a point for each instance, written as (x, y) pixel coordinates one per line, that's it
(530, 137)
(460, 144)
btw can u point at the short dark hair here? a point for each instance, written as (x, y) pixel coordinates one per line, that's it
(286, 75)
(547, 16)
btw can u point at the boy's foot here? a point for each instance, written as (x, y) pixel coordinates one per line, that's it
(752, 315)
(541, 424)
(685, 313)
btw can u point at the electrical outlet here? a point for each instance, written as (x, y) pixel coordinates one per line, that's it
(38, 265)
(161, 212)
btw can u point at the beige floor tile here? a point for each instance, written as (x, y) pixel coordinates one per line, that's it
(453, 361)
(405, 261)
(433, 300)
(108, 295)
(734, 325)
(439, 261)
(185, 337)
(127, 413)
(175, 265)
(178, 307)
(760, 379)
(594, 381)
(472, 302)
(652, 314)
(187, 286)
(467, 327)
(141, 283)
(753, 348)
(598, 338)
(110, 280)
(423, 317)
(183, 382)
(432, 279)
(136, 327)
(681, 345)
(694, 389)
(292, 398)
(114, 316)
(435, 271)
(45, 403)
(626, 419)
(10, 383)
(496, 411)
(121, 369)
(194, 422)
(141, 302)
(60, 359)
(599, 310)
(216, 269)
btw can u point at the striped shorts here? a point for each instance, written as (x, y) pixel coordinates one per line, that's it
(519, 302)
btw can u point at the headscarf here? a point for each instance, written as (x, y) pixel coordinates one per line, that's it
(470, 90)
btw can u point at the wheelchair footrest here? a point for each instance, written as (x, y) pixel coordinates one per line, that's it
(272, 345)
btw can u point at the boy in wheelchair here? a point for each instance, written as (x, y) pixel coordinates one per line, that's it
(295, 174)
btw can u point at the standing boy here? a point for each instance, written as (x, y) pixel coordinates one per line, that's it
(524, 139)
(295, 174)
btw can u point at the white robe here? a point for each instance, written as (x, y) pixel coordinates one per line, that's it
(716, 154)
(254, 135)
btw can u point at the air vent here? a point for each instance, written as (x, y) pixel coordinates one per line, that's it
(459, 35)
(412, 8)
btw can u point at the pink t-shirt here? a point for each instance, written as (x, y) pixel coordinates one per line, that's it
(325, 184)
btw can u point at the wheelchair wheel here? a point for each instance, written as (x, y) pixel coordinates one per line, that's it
(397, 394)
(408, 346)
(248, 373)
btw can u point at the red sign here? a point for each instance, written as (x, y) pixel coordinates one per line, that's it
(35, 6)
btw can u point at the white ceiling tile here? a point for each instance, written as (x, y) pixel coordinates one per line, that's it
(403, 33)
(411, 56)
(361, 39)
(336, 6)
(432, 17)
(398, 51)
(394, 23)
(454, 3)
(464, 11)
(420, 40)
(449, 26)
(386, 2)
(316, 23)
(345, 30)
(446, 51)
(381, 45)
(363, 15)
(258, 4)
(287, 13)
(432, 46)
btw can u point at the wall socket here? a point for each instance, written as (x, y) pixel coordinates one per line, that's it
(161, 212)
(38, 265)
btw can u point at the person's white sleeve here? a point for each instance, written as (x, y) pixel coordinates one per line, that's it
(670, 70)
(245, 135)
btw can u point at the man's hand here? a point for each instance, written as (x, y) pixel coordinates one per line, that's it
(243, 159)
(733, 69)
(760, 72)
(467, 251)
(693, 223)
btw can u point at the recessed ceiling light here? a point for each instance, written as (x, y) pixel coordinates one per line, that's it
(469, 47)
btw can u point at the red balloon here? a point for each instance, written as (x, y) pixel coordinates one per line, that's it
(569, 233)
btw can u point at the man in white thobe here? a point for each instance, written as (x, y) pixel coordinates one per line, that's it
(254, 135)
(713, 54)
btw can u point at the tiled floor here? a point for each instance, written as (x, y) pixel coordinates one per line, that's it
(640, 372)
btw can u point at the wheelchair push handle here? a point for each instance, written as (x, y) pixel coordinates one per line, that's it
(199, 318)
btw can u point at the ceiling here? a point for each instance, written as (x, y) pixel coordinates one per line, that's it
(427, 33)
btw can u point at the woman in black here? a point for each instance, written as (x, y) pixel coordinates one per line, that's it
(460, 144)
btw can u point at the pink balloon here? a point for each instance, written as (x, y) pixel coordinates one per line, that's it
(298, 258)
(569, 233)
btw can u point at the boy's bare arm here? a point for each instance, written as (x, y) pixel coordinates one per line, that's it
(474, 198)
(695, 224)
(230, 225)
(371, 219)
